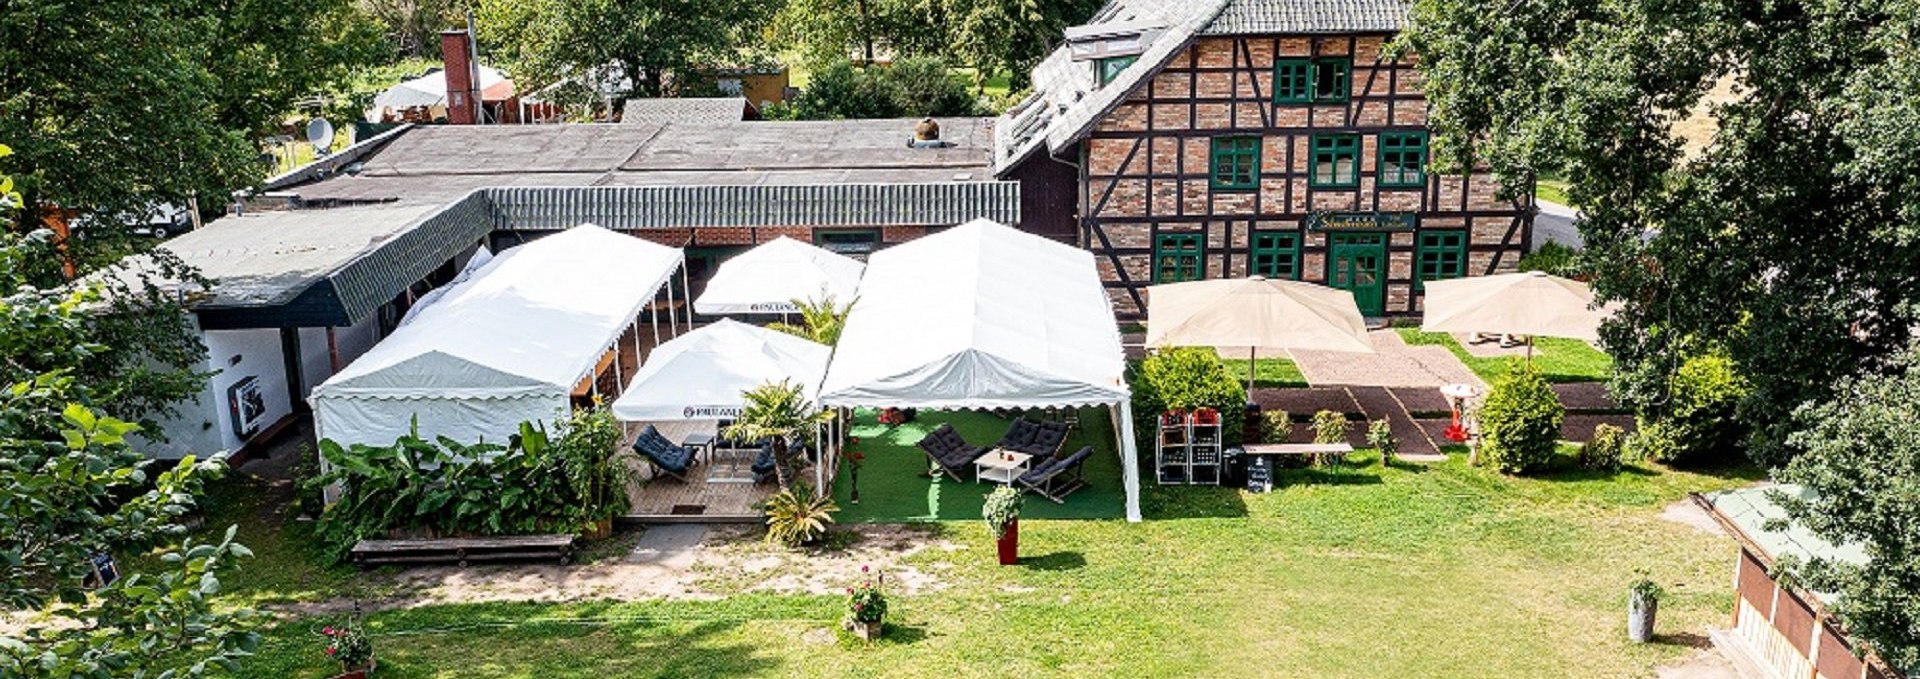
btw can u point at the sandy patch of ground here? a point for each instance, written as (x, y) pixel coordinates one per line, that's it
(675, 562)
(1703, 664)
(1686, 513)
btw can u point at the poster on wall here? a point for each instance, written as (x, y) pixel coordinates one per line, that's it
(247, 405)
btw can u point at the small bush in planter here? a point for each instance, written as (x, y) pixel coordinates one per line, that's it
(1603, 451)
(867, 606)
(1002, 507)
(1520, 421)
(1643, 605)
(1276, 426)
(350, 645)
(1380, 437)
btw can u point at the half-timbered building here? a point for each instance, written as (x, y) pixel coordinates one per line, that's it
(1197, 139)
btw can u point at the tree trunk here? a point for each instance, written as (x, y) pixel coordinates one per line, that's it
(782, 466)
(866, 32)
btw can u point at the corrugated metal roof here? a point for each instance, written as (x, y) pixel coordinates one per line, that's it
(1242, 17)
(654, 207)
(1751, 509)
(374, 278)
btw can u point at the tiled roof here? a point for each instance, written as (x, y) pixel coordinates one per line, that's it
(1067, 101)
(1309, 16)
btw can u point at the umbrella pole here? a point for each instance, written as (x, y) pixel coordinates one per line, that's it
(1251, 363)
(1529, 351)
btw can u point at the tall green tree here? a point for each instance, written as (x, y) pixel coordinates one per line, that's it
(1862, 462)
(71, 489)
(775, 412)
(1792, 240)
(552, 40)
(115, 105)
(1008, 36)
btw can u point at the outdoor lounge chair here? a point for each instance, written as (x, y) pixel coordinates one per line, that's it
(1058, 477)
(764, 465)
(951, 453)
(1042, 440)
(663, 455)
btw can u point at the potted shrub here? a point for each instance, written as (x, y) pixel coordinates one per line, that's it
(1002, 513)
(1643, 603)
(867, 608)
(1380, 436)
(350, 645)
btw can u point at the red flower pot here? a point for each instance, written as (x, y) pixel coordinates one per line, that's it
(1010, 543)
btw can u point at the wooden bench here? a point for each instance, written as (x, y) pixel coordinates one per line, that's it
(463, 550)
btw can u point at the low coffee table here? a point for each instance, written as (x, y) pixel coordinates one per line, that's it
(1000, 466)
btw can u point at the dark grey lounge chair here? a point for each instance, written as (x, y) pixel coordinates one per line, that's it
(951, 453)
(663, 455)
(1042, 440)
(1058, 477)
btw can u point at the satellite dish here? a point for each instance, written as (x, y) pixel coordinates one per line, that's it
(320, 135)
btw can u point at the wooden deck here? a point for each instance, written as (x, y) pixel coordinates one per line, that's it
(668, 500)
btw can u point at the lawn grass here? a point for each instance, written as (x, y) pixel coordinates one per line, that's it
(1552, 190)
(1359, 571)
(1560, 360)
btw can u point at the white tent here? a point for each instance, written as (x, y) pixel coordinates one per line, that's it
(985, 316)
(503, 347)
(768, 278)
(700, 375)
(431, 90)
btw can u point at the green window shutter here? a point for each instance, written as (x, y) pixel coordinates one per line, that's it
(1403, 159)
(1179, 257)
(1276, 254)
(1442, 255)
(1292, 81)
(1109, 69)
(1236, 163)
(1332, 79)
(1336, 161)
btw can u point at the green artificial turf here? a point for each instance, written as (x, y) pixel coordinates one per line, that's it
(894, 487)
(1557, 359)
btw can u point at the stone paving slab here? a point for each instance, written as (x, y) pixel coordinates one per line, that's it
(1380, 404)
(1304, 402)
(1589, 396)
(1580, 427)
(1394, 364)
(1420, 399)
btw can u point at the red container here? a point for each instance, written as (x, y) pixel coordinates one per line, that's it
(1010, 543)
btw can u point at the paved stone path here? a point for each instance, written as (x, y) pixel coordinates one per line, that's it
(1394, 364)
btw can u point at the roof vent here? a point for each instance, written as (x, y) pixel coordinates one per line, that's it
(926, 135)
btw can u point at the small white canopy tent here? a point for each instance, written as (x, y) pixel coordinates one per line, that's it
(769, 277)
(700, 375)
(985, 316)
(505, 346)
(431, 90)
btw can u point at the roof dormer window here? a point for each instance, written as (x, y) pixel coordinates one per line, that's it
(1107, 70)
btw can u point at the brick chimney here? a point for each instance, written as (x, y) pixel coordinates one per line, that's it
(463, 77)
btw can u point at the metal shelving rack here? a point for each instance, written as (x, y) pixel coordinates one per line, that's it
(1187, 448)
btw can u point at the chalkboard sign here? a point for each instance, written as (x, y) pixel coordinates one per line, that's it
(1259, 474)
(104, 572)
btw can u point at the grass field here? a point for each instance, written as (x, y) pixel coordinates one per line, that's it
(1362, 571)
(1560, 360)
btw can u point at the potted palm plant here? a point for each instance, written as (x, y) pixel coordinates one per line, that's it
(774, 412)
(1643, 604)
(1002, 513)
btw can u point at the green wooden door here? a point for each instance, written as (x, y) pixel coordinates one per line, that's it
(1358, 262)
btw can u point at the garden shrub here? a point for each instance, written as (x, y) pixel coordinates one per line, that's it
(1520, 421)
(1276, 426)
(1697, 424)
(535, 483)
(1603, 451)
(913, 87)
(1552, 258)
(1380, 437)
(1329, 427)
(1185, 378)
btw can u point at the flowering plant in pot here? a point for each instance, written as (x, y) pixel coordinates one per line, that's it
(350, 645)
(867, 607)
(1643, 604)
(1002, 513)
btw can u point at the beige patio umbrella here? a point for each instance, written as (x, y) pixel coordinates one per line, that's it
(1531, 303)
(1253, 314)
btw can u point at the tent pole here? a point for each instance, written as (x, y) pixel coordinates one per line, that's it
(673, 318)
(687, 285)
(1129, 456)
